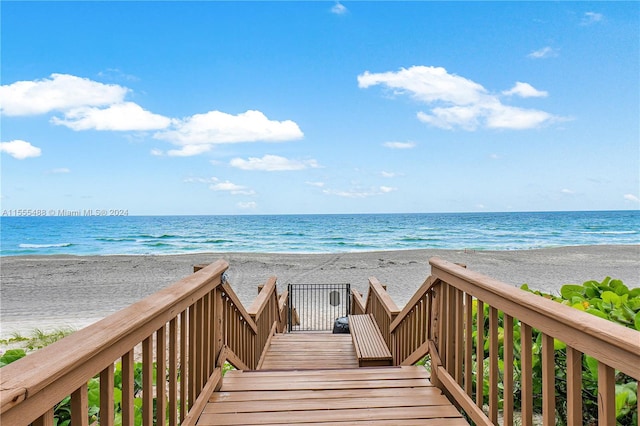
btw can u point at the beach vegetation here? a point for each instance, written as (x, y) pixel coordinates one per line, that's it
(11, 355)
(609, 299)
(37, 339)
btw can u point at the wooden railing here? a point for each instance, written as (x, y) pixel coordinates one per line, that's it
(265, 312)
(161, 355)
(440, 318)
(412, 328)
(384, 309)
(357, 304)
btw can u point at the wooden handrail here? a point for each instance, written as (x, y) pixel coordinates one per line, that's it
(419, 294)
(382, 307)
(454, 316)
(464, 312)
(185, 333)
(226, 286)
(263, 297)
(33, 384)
(387, 303)
(611, 343)
(283, 312)
(266, 313)
(357, 304)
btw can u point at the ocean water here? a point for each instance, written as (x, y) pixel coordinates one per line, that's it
(157, 235)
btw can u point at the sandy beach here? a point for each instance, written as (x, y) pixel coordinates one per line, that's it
(53, 291)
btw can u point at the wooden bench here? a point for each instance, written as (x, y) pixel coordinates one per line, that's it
(371, 349)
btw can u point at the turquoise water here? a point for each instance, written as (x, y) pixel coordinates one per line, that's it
(93, 235)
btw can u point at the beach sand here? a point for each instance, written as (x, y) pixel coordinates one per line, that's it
(48, 292)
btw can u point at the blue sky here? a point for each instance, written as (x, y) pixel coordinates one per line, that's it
(320, 107)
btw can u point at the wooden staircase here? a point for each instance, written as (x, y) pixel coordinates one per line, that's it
(314, 379)
(297, 351)
(373, 396)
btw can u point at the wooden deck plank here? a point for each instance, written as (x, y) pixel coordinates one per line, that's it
(310, 351)
(291, 404)
(314, 379)
(347, 384)
(255, 396)
(346, 415)
(374, 372)
(394, 422)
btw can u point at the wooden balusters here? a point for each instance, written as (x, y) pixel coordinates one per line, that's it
(106, 396)
(80, 406)
(574, 387)
(480, 354)
(507, 377)
(606, 395)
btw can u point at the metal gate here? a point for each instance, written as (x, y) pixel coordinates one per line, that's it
(315, 307)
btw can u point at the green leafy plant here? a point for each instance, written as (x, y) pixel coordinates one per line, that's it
(62, 411)
(610, 300)
(11, 355)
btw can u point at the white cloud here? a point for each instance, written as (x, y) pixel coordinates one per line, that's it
(427, 84)
(192, 179)
(189, 150)
(339, 9)
(230, 187)
(508, 117)
(117, 74)
(567, 191)
(360, 193)
(632, 198)
(216, 184)
(349, 193)
(91, 105)
(457, 102)
(20, 149)
(494, 156)
(316, 184)
(61, 170)
(119, 117)
(247, 205)
(273, 163)
(591, 18)
(59, 92)
(215, 127)
(387, 174)
(545, 52)
(157, 152)
(399, 145)
(525, 90)
(465, 117)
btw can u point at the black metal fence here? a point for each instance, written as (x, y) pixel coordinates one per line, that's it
(315, 307)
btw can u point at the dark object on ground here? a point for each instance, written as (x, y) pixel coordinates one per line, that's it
(341, 325)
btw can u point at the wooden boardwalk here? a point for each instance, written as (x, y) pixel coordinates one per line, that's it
(296, 351)
(314, 379)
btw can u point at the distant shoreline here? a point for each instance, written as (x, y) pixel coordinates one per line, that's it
(314, 234)
(48, 291)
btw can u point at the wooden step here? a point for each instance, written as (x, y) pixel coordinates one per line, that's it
(298, 351)
(375, 396)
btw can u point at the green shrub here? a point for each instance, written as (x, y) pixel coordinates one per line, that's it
(609, 299)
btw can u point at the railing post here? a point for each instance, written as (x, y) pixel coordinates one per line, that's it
(80, 406)
(435, 313)
(218, 324)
